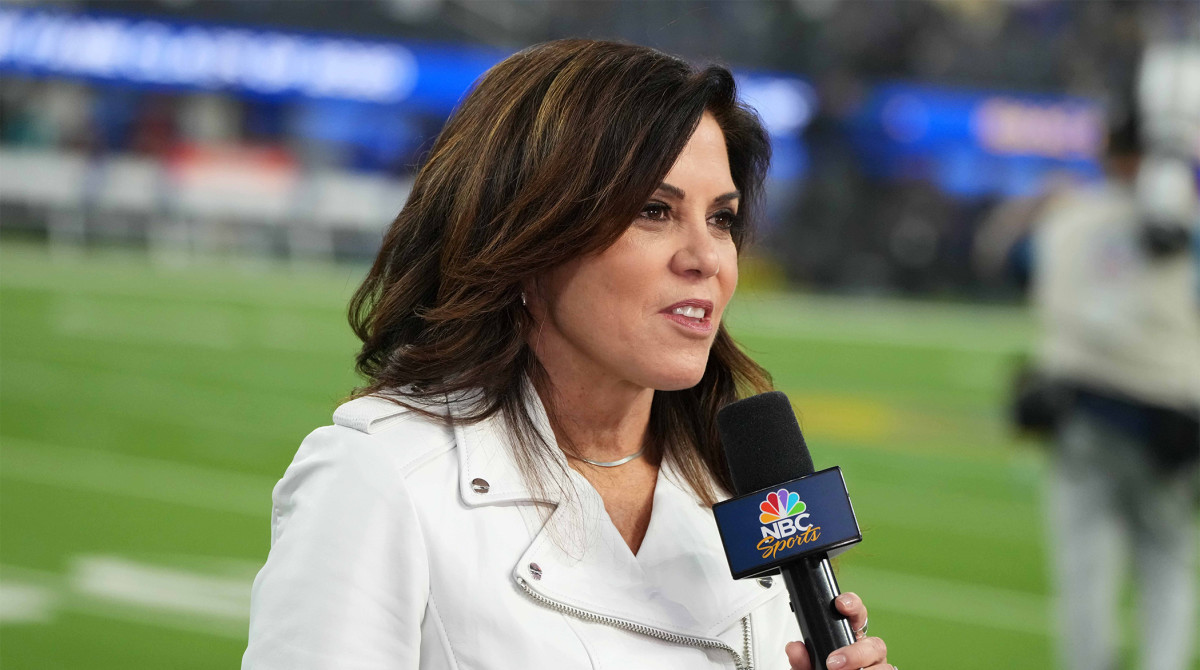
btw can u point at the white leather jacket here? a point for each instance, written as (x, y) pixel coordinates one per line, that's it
(399, 542)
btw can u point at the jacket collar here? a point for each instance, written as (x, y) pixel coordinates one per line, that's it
(679, 580)
(488, 473)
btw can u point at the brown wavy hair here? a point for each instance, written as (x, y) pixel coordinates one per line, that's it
(550, 157)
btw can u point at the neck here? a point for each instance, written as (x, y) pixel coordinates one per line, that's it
(599, 422)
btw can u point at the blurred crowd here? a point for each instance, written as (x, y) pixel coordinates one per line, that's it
(887, 190)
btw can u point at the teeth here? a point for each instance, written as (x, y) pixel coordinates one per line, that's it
(690, 312)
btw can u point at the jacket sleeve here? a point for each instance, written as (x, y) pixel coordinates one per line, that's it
(346, 582)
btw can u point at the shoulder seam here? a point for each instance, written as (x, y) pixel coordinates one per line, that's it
(408, 456)
(428, 455)
(374, 414)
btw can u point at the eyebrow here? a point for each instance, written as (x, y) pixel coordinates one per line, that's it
(678, 193)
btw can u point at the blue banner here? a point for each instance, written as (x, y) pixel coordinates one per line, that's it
(974, 143)
(158, 53)
(335, 76)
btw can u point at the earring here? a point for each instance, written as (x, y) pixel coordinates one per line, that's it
(524, 302)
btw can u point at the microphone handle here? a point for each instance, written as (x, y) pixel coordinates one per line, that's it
(813, 588)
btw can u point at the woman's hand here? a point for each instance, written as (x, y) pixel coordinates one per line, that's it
(869, 653)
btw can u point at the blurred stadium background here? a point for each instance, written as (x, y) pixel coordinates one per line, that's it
(189, 191)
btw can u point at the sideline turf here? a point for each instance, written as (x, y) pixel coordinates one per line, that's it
(145, 410)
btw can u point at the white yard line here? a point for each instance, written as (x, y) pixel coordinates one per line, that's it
(114, 587)
(22, 602)
(156, 587)
(136, 477)
(207, 601)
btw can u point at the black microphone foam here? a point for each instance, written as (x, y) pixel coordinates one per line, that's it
(764, 448)
(762, 441)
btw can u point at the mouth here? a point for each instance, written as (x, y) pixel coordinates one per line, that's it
(694, 315)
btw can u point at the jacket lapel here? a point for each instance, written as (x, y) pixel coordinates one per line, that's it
(678, 582)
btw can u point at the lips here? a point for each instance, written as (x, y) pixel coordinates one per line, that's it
(694, 315)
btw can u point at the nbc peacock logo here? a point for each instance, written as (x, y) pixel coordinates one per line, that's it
(780, 505)
(781, 515)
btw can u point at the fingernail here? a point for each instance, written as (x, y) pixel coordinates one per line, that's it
(845, 601)
(835, 662)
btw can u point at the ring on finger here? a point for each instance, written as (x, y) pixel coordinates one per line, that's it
(860, 633)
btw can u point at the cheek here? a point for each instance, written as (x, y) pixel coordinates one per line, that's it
(627, 273)
(598, 290)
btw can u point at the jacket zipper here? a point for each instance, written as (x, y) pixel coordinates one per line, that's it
(741, 662)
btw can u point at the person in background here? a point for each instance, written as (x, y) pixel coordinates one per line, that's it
(1114, 285)
(526, 479)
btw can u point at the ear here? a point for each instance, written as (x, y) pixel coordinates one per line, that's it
(531, 294)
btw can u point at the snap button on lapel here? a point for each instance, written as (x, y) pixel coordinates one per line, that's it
(765, 582)
(535, 571)
(480, 485)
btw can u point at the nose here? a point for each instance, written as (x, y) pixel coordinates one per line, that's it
(697, 254)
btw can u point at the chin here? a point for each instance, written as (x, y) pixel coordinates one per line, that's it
(678, 380)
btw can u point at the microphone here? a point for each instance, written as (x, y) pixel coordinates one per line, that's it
(785, 517)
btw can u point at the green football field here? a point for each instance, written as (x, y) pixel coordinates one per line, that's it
(147, 408)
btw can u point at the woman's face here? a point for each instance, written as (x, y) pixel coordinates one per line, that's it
(644, 311)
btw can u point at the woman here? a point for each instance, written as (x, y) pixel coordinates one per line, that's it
(526, 480)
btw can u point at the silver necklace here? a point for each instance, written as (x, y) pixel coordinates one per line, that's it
(613, 464)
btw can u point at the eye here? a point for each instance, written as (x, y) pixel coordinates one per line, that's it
(655, 211)
(725, 219)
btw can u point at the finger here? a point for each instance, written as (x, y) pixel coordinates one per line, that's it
(797, 656)
(865, 653)
(854, 609)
